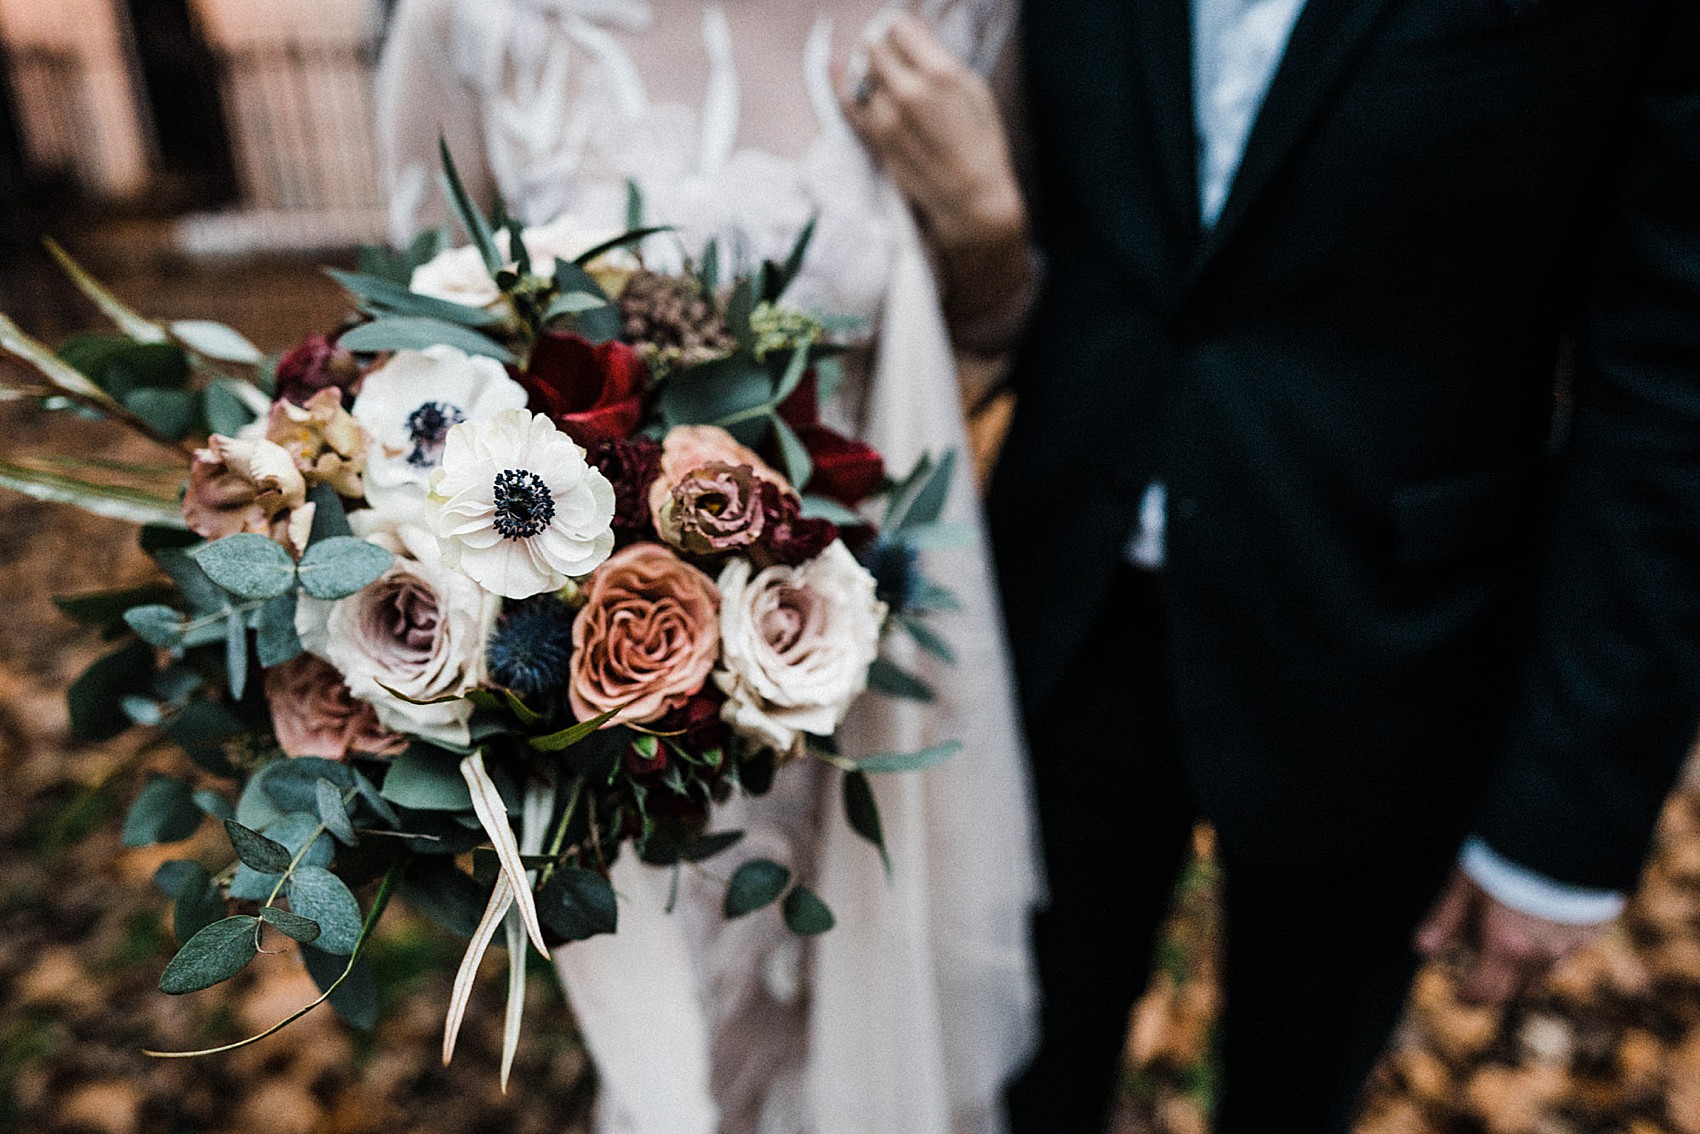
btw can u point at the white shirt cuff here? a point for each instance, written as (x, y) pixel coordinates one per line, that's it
(1535, 894)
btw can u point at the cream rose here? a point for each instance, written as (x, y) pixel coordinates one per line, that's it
(646, 638)
(420, 630)
(796, 644)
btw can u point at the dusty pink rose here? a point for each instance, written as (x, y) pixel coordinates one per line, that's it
(247, 485)
(691, 447)
(314, 714)
(328, 445)
(714, 509)
(647, 637)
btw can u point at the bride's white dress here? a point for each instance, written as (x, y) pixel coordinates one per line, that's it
(911, 1014)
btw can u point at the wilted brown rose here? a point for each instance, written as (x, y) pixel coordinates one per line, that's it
(647, 637)
(314, 714)
(688, 448)
(714, 509)
(328, 445)
(247, 485)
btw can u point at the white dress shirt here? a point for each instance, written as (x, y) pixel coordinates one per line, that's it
(1237, 48)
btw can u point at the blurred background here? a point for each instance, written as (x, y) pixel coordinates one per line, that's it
(206, 158)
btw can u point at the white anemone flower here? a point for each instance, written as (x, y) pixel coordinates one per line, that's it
(518, 508)
(408, 406)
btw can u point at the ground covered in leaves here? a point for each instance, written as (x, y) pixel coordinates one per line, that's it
(1612, 1045)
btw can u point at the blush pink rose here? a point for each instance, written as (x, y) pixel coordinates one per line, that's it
(688, 448)
(314, 714)
(647, 637)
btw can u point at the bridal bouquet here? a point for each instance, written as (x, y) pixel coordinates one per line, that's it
(534, 562)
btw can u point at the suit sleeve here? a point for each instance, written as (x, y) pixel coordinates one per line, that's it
(1610, 698)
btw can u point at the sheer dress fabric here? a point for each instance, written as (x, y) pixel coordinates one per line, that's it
(910, 1015)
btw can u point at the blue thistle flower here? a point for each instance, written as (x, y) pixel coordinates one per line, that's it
(895, 568)
(532, 645)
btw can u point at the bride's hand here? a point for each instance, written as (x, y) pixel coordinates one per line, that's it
(933, 125)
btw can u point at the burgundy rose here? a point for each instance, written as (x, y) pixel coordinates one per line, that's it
(631, 467)
(695, 726)
(788, 536)
(594, 392)
(317, 363)
(846, 470)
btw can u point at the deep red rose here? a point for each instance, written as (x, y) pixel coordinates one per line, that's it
(315, 364)
(631, 467)
(594, 392)
(787, 536)
(694, 726)
(846, 470)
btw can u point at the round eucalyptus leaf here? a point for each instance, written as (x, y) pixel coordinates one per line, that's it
(255, 850)
(157, 625)
(337, 567)
(302, 929)
(247, 565)
(215, 954)
(806, 915)
(755, 884)
(316, 893)
(164, 812)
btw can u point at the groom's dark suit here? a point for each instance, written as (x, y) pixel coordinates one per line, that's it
(1408, 592)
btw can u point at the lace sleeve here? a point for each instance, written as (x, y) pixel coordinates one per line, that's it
(421, 95)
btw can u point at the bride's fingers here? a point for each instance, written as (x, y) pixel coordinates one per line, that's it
(914, 41)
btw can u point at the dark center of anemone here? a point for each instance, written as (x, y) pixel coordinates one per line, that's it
(428, 427)
(523, 504)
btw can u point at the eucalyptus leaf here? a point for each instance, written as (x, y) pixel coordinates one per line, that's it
(426, 778)
(255, 850)
(823, 508)
(116, 502)
(449, 896)
(799, 466)
(203, 595)
(755, 884)
(170, 413)
(567, 737)
(94, 698)
(212, 956)
(341, 566)
(317, 893)
(886, 677)
(806, 915)
(225, 410)
(174, 875)
(928, 639)
(160, 626)
(216, 341)
(863, 814)
(705, 847)
(928, 501)
(135, 326)
(714, 392)
(164, 812)
(236, 657)
(142, 710)
(275, 639)
(293, 925)
(333, 813)
(381, 296)
(212, 804)
(356, 998)
(417, 332)
(472, 219)
(103, 608)
(578, 904)
(909, 761)
(247, 565)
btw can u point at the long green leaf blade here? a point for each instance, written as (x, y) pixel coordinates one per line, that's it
(119, 503)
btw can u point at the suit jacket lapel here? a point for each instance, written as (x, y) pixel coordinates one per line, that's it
(1161, 33)
(1323, 44)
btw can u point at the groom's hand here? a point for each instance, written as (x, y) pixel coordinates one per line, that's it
(1504, 950)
